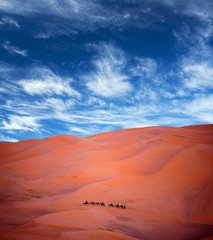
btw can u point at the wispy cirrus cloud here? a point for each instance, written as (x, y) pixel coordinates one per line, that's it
(194, 68)
(37, 80)
(80, 130)
(4, 138)
(24, 123)
(92, 121)
(9, 21)
(5, 68)
(46, 82)
(70, 16)
(33, 7)
(191, 7)
(82, 11)
(201, 107)
(198, 76)
(90, 15)
(108, 78)
(198, 109)
(14, 50)
(72, 112)
(145, 68)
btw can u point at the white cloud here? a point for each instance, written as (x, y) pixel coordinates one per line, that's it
(109, 84)
(68, 15)
(145, 67)
(94, 101)
(7, 139)
(42, 35)
(91, 120)
(80, 130)
(89, 14)
(7, 86)
(146, 93)
(14, 50)
(183, 92)
(75, 4)
(198, 108)
(202, 9)
(4, 4)
(59, 105)
(201, 104)
(48, 83)
(198, 76)
(125, 117)
(206, 117)
(194, 68)
(194, 39)
(108, 80)
(2, 89)
(9, 21)
(25, 123)
(4, 68)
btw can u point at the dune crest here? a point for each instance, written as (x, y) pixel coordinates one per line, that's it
(162, 174)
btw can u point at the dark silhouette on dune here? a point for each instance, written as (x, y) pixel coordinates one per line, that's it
(105, 205)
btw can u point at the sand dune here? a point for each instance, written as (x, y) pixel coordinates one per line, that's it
(163, 175)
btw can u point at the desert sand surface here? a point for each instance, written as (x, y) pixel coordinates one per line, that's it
(163, 175)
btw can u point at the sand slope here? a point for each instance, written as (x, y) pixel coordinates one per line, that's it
(163, 175)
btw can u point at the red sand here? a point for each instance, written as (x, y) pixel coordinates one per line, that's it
(163, 175)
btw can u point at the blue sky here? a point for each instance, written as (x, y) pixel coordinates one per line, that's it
(83, 67)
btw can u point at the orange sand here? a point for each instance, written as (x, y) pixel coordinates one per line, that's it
(163, 175)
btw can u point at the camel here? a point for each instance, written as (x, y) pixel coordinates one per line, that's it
(105, 205)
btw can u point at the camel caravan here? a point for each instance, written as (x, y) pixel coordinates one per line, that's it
(104, 205)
